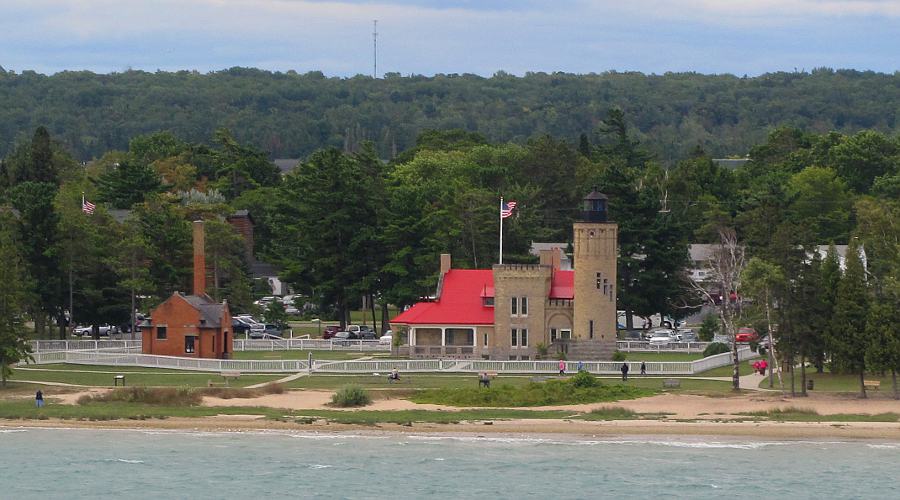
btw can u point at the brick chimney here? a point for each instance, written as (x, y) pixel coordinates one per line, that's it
(199, 258)
(445, 263)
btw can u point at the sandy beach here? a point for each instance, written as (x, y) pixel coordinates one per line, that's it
(683, 415)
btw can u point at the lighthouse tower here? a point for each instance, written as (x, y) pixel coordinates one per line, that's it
(595, 247)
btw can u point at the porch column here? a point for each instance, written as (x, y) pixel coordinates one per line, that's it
(474, 337)
(412, 336)
(443, 337)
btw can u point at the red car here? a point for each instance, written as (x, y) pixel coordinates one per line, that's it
(329, 331)
(746, 335)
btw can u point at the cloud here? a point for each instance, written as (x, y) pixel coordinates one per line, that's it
(449, 36)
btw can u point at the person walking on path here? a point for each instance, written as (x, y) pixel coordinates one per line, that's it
(39, 399)
(643, 368)
(562, 367)
(624, 371)
(581, 366)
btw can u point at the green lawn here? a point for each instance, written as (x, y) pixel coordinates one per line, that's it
(293, 354)
(414, 381)
(662, 356)
(102, 376)
(726, 371)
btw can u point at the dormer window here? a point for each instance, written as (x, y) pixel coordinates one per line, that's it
(487, 301)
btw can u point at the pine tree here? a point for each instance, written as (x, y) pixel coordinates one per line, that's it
(883, 331)
(13, 346)
(847, 336)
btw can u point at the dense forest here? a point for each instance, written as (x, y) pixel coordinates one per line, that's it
(290, 115)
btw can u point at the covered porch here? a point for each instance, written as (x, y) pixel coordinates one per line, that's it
(442, 341)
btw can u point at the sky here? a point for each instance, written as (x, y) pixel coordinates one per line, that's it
(426, 37)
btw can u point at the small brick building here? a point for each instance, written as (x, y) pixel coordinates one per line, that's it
(190, 325)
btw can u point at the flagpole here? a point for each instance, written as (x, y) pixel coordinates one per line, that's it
(501, 229)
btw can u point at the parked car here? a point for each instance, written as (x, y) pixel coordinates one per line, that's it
(273, 331)
(239, 327)
(330, 331)
(87, 331)
(251, 322)
(291, 310)
(660, 340)
(745, 335)
(632, 335)
(386, 339)
(344, 338)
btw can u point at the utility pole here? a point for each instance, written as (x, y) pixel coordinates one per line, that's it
(375, 48)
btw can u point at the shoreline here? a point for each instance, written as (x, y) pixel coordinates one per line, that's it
(519, 428)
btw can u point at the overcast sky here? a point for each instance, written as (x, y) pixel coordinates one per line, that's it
(451, 36)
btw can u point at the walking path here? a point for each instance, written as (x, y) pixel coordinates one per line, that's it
(295, 376)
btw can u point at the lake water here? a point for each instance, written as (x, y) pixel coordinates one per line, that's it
(133, 464)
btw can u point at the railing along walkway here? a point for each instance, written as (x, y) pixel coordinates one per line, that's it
(380, 366)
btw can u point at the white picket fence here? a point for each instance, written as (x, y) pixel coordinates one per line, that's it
(644, 346)
(125, 358)
(303, 344)
(307, 344)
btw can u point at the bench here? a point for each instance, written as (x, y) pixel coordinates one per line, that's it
(227, 374)
(117, 379)
(872, 384)
(671, 383)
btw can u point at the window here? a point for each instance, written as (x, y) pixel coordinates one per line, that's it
(485, 340)
(553, 334)
(161, 333)
(487, 301)
(611, 294)
(599, 281)
(514, 306)
(524, 306)
(512, 357)
(591, 329)
(189, 344)
(565, 334)
(605, 286)
(513, 339)
(523, 340)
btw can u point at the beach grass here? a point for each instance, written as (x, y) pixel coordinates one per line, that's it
(619, 413)
(579, 389)
(103, 376)
(793, 414)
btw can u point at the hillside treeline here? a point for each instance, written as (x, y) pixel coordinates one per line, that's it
(345, 224)
(290, 115)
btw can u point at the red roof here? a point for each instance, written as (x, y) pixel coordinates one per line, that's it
(461, 301)
(562, 285)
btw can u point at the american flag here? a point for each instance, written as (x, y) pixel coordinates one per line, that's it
(506, 210)
(87, 207)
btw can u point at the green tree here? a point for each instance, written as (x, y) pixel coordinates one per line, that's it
(127, 184)
(38, 237)
(847, 336)
(329, 230)
(883, 332)
(759, 280)
(709, 328)
(820, 201)
(14, 347)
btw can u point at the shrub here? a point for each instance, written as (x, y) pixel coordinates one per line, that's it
(715, 348)
(619, 356)
(166, 396)
(584, 379)
(350, 395)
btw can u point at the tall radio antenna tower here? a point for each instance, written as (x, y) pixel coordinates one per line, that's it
(375, 48)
